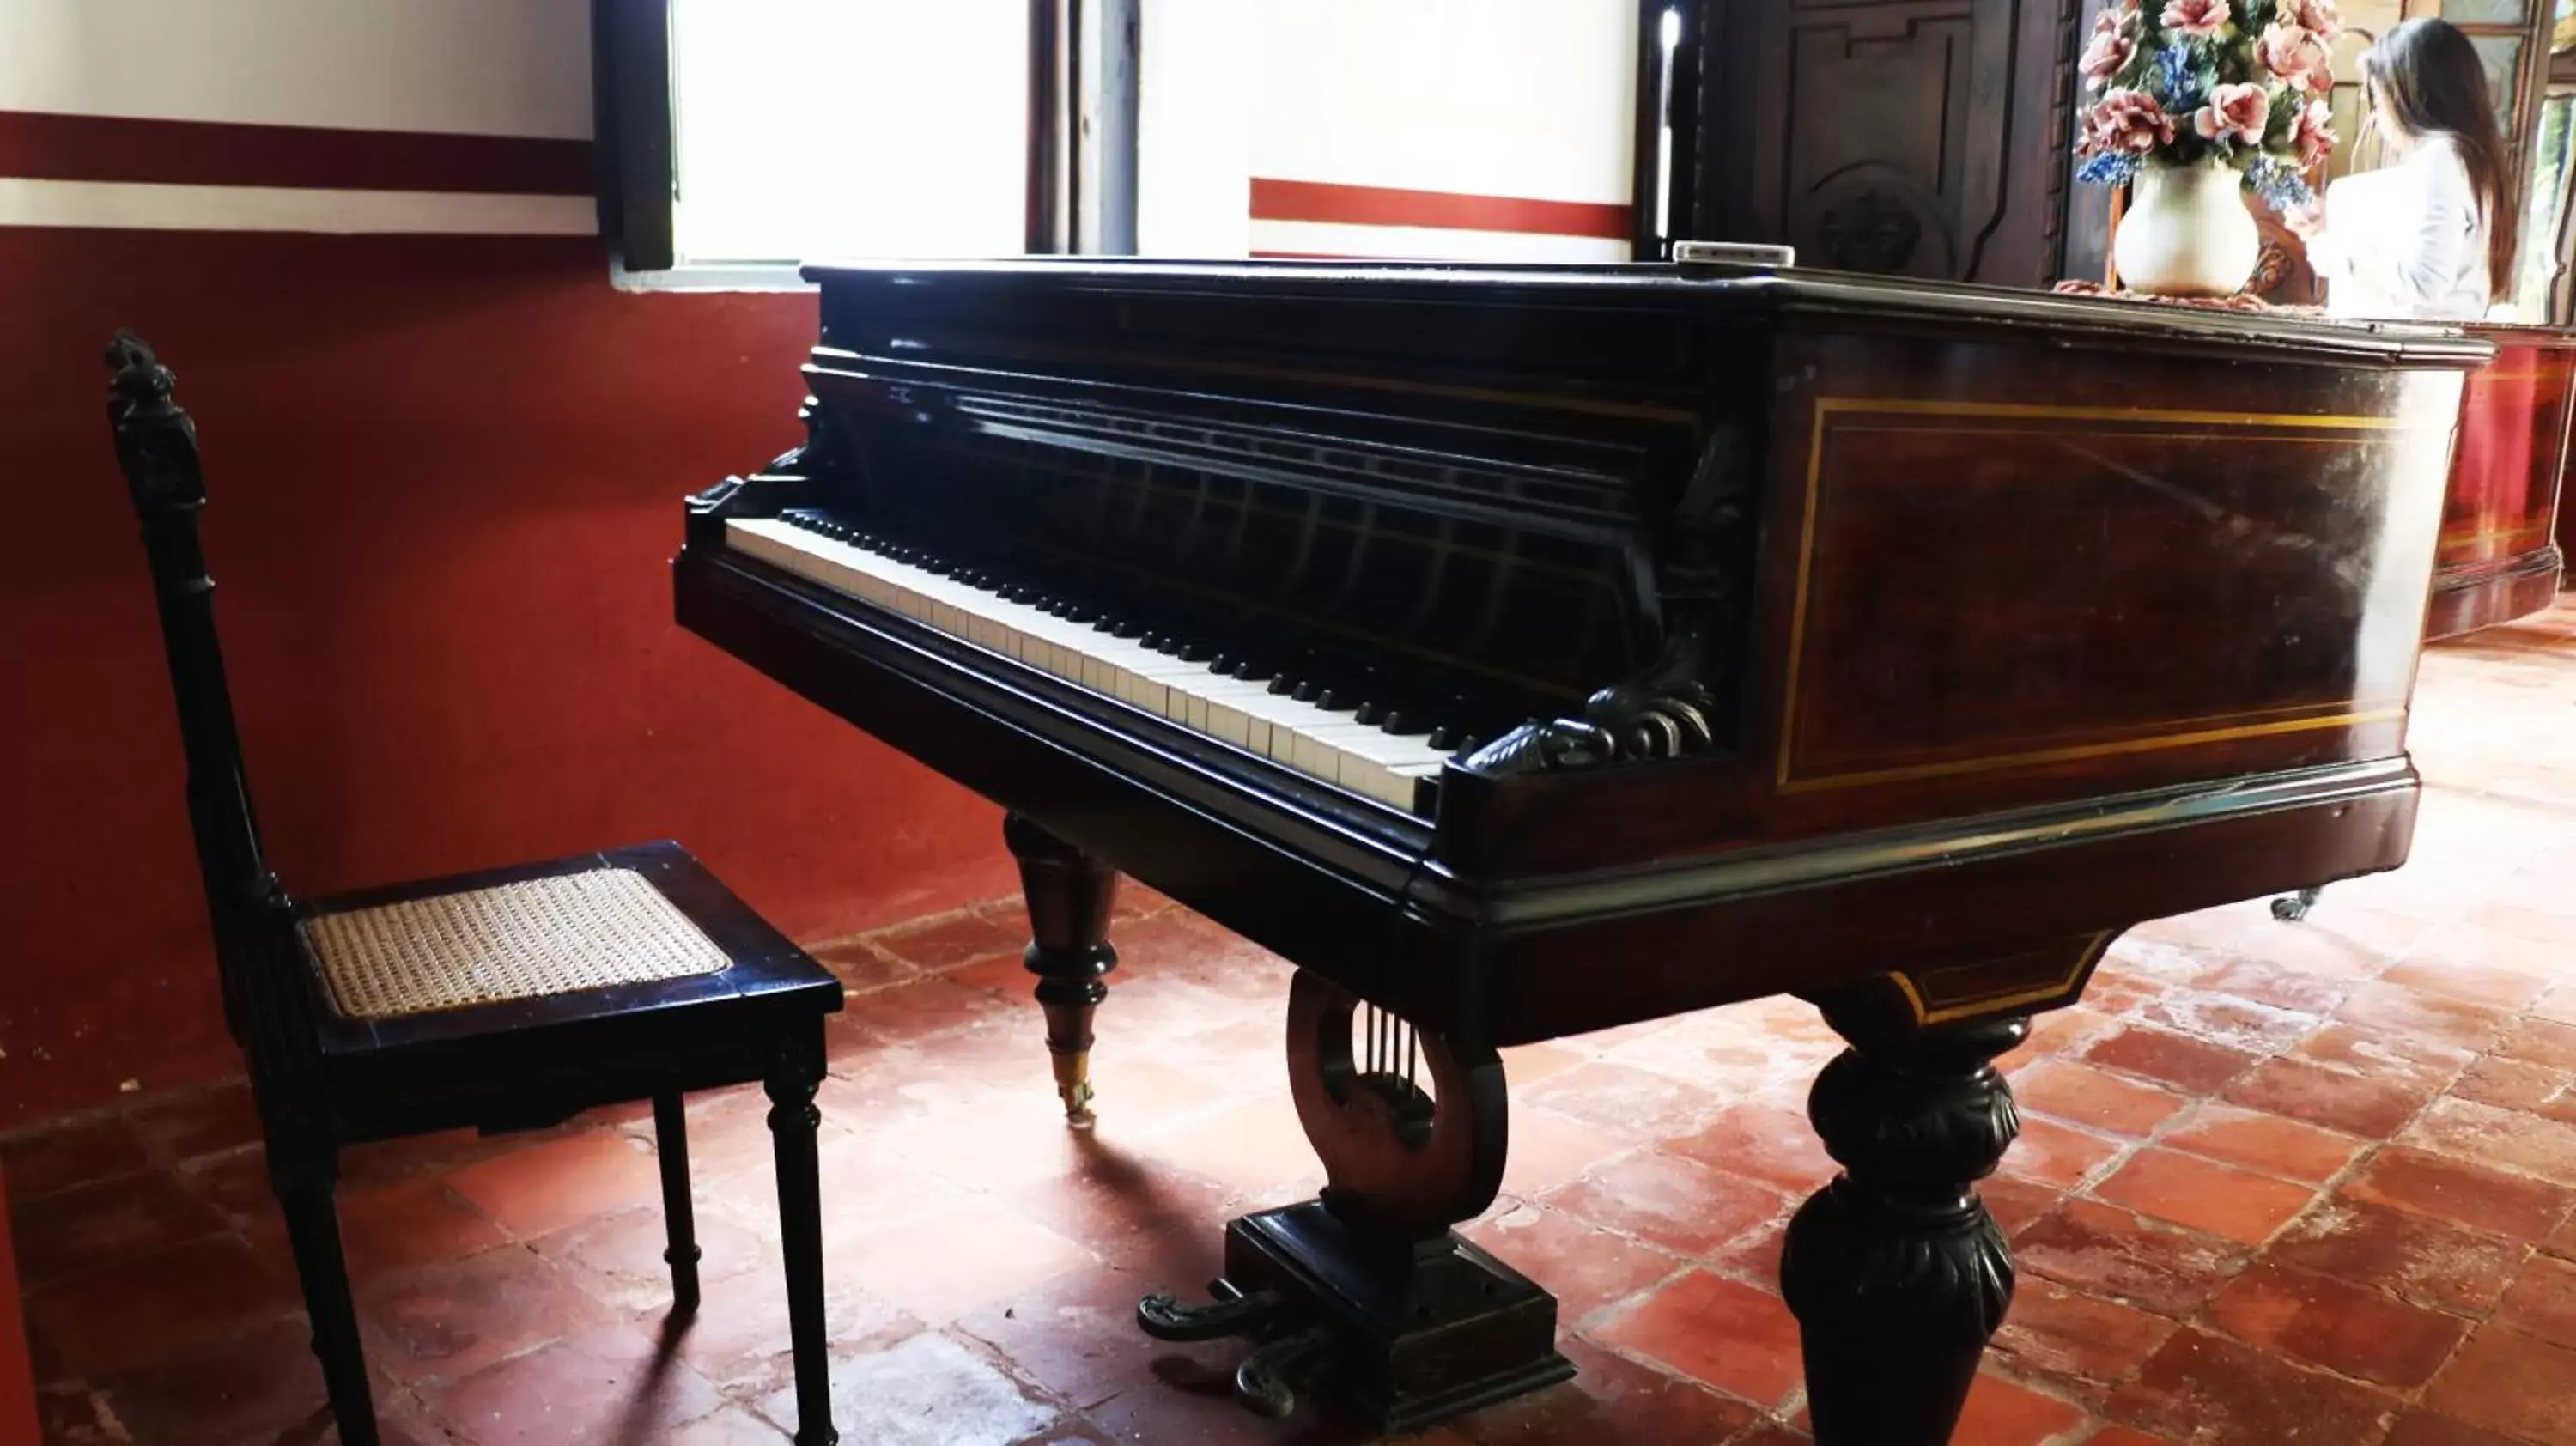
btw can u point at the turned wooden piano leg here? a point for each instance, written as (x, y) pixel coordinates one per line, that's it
(1069, 896)
(1896, 1273)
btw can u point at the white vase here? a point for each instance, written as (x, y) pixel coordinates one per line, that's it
(2187, 232)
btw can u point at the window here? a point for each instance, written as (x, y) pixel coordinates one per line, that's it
(762, 133)
(2543, 254)
(818, 128)
(759, 133)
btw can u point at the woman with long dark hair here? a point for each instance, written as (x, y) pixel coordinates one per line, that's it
(2435, 241)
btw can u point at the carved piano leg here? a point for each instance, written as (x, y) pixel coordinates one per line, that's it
(1368, 1287)
(1896, 1273)
(1069, 895)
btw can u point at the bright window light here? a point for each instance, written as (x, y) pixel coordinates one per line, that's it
(814, 129)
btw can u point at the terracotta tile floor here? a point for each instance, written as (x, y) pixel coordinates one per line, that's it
(2277, 1183)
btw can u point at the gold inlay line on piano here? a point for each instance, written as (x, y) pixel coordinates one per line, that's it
(1827, 407)
(2085, 959)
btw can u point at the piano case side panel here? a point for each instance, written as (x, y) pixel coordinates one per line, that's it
(1996, 576)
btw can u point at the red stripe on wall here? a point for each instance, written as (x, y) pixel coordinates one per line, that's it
(1444, 210)
(45, 146)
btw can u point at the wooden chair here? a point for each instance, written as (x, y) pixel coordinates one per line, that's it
(508, 999)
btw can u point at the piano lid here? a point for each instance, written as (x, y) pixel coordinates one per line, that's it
(1756, 290)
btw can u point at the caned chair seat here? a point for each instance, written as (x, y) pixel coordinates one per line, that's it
(526, 940)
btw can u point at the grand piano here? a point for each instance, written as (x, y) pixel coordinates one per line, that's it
(1528, 651)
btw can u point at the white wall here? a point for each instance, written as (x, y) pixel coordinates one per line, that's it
(1526, 98)
(480, 67)
(1194, 127)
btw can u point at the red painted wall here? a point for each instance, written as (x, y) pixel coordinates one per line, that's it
(446, 476)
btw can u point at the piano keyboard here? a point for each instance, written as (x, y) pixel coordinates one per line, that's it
(1313, 739)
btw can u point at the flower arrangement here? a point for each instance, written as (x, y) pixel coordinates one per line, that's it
(2243, 82)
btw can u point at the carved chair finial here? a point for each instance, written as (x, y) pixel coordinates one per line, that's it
(156, 440)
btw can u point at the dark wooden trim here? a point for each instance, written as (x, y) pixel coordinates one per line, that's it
(37, 145)
(1049, 216)
(635, 115)
(2471, 600)
(1683, 107)
(1646, 169)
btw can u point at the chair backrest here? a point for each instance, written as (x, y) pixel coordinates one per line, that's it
(156, 445)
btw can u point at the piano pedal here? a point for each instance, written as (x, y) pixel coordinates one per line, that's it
(2291, 908)
(1407, 1333)
(1268, 1381)
(1256, 1315)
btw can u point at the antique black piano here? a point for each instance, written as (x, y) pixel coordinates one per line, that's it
(1526, 651)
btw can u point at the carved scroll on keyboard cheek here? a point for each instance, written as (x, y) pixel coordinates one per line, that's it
(1621, 723)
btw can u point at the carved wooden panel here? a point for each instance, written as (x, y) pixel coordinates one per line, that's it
(2028, 522)
(1908, 137)
(2497, 560)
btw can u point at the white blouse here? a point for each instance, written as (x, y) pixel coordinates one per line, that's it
(2407, 243)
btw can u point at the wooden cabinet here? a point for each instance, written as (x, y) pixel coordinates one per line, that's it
(1910, 137)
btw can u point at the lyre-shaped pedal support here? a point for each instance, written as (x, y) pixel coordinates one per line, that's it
(1367, 1289)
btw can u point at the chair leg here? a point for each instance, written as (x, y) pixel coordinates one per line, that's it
(304, 1192)
(796, 1070)
(671, 1143)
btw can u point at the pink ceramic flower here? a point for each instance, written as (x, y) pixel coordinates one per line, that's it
(2127, 121)
(2109, 53)
(2295, 55)
(2317, 17)
(2199, 19)
(2234, 112)
(2314, 139)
